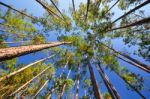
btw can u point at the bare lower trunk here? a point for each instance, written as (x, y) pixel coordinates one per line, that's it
(28, 82)
(132, 60)
(96, 89)
(17, 10)
(12, 52)
(25, 67)
(40, 89)
(134, 9)
(107, 82)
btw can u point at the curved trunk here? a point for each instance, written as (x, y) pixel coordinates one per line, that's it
(64, 86)
(47, 8)
(132, 60)
(107, 82)
(142, 21)
(28, 82)
(12, 52)
(132, 10)
(25, 67)
(8, 6)
(77, 82)
(53, 88)
(46, 82)
(96, 89)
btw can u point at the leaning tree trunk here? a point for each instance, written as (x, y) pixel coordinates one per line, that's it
(25, 67)
(46, 82)
(132, 60)
(12, 52)
(8, 6)
(142, 21)
(28, 82)
(53, 88)
(107, 82)
(96, 89)
(64, 86)
(134, 9)
(77, 82)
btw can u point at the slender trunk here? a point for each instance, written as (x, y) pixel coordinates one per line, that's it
(64, 86)
(46, 82)
(132, 87)
(57, 8)
(112, 6)
(87, 10)
(134, 9)
(28, 82)
(142, 21)
(107, 82)
(14, 42)
(73, 5)
(8, 6)
(25, 67)
(12, 52)
(47, 8)
(77, 82)
(96, 89)
(134, 61)
(53, 88)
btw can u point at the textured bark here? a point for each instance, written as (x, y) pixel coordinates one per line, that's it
(57, 9)
(12, 52)
(8, 6)
(77, 82)
(47, 8)
(96, 89)
(28, 82)
(142, 21)
(64, 86)
(107, 82)
(25, 67)
(132, 10)
(46, 82)
(131, 60)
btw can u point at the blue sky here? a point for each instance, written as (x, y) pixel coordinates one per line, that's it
(34, 8)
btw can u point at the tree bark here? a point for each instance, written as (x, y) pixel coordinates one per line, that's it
(73, 5)
(64, 86)
(96, 89)
(23, 68)
(8, 6)
(142, 21)
(87, 10)
(77, 82)
(28, 82)
(12, 52)
(107, 82)
(132, 60)
(40, 89)
(132, 10)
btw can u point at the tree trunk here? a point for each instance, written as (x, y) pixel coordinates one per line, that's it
(142, 21)
(17, 11)
(134, 9)
(47, 8)
(40, 89)
(25, 67)
(132, 60)
(132, 87)
(73, 6)
(107, 82)
(77, 82)
(87, 9)
(12, 52)
(28, 82)
(64, 86)
(96, 89)
(53, 88)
